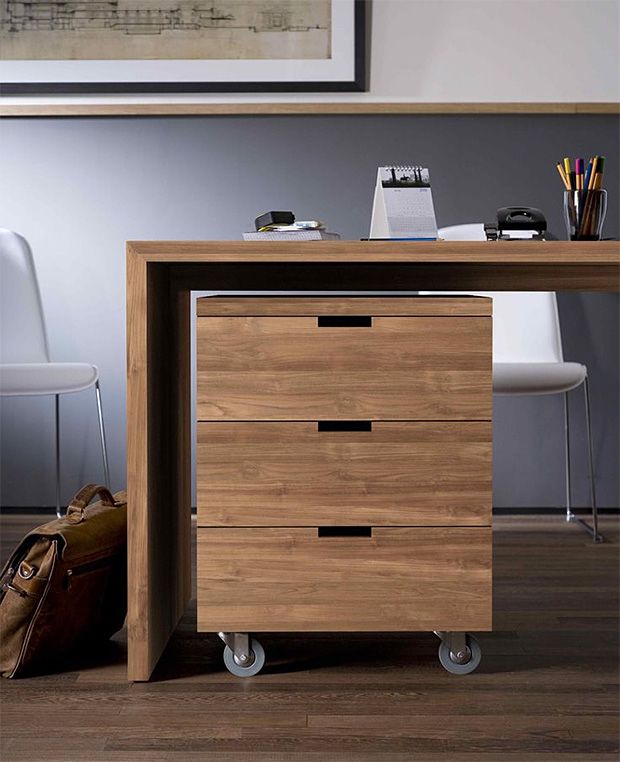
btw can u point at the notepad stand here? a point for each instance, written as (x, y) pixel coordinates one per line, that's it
(403, 205)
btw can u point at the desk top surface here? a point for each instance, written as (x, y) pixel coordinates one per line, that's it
(559, 253)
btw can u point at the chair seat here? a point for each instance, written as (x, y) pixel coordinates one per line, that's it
(537, 377)
(17, 379)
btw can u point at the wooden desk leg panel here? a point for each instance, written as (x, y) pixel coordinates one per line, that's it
(158, 461)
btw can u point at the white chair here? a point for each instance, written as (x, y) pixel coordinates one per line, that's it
(528, 357)
(25, 366)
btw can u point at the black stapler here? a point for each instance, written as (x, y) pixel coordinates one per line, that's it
(517, 223)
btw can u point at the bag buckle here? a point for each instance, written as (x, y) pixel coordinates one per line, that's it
(26, 571)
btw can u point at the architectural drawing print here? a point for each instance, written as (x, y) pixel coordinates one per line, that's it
(164, 29)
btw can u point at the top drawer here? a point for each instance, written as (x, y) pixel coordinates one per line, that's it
(345, 366)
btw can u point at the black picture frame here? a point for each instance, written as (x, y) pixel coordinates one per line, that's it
(357, 84)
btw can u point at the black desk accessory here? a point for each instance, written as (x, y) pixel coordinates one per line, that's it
(515, 222)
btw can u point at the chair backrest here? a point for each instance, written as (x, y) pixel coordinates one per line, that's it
(526, 326)
(22, 325)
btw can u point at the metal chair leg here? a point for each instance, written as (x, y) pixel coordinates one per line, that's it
(569, 513)
(104, 451)
(57, 440)
(592, 529)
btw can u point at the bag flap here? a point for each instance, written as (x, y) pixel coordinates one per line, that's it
(103, 528)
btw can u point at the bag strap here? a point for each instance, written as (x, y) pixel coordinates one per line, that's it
(76, 508)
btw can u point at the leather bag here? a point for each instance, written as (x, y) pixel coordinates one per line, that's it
(65, 586)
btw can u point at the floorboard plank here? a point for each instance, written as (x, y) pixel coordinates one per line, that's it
(547, 688)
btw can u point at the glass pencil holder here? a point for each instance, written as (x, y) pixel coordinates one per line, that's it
(584, 214)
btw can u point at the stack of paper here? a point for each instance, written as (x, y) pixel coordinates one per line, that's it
(290, 235)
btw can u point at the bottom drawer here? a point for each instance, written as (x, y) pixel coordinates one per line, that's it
(306, 579)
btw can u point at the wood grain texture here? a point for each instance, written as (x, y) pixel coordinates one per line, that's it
(290, 474)
(390, 266)
(277, 368)
(138, 560)
(289, 579)
(546, 690)
(249, 266)
(471, 253)
(307, 108)
(158, 457)
(429, 306)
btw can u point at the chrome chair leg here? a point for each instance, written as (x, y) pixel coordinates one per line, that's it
(592, 528)
(104, 451)
(57, 440)
(569, 513)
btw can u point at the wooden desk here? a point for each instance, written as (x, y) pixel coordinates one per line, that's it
(160, 276)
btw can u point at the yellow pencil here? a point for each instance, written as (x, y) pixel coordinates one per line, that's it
(563, 176)
(567, 167)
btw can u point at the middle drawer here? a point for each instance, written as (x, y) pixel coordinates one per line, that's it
(394, 474)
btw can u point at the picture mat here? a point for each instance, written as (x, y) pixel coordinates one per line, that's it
(339, 68)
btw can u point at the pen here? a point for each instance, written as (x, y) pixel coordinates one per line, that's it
(560, 169)
(593, 173)
(567, 166)
(589, 204)
(598, 180)
(579, 173)
(586, 201)
(588, 174)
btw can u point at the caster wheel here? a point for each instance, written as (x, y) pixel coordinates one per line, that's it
(448, 663)
(257, 660)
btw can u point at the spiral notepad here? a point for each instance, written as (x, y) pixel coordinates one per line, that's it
(403, 204)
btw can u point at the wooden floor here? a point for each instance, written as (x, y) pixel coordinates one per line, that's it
(547, 688)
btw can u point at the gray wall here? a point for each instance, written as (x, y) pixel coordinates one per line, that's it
(79, 188)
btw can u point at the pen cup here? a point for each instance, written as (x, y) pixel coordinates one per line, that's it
(584, 214)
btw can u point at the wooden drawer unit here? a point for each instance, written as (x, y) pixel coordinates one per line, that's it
(286, 579)
(321, 367)
(344, 469)
(374, 474)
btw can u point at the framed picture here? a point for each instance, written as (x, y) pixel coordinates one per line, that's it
(168, 46)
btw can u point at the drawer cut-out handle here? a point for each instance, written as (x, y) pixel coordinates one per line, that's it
(344, 531)
(344, 425)
(344, 321)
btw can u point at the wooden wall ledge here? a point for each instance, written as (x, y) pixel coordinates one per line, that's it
(283, 108)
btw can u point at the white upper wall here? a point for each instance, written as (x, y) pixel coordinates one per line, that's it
(469, 50)
(496, 50)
